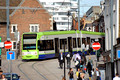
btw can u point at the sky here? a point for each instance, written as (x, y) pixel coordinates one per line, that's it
(86, 4)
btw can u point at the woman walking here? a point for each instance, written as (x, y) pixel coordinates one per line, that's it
(71, 74)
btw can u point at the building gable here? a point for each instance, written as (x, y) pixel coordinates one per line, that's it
(30, 4)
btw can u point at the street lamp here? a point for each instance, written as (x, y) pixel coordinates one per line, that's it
(64, 60)
(68, 14)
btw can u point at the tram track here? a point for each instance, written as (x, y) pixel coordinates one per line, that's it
(49, 71)
(23, 71)
(33, 66)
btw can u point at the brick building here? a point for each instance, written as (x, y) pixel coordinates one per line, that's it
(24, 20)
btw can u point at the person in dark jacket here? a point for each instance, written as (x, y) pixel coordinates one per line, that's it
(89, 68)
(61, 60)
(71, 74)
(68, 57)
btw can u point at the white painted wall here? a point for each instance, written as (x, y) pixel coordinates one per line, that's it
(107, 23)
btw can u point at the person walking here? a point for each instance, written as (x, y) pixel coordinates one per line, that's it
(77, 56)
(71, 74)
(116, 77)
(1, 72)
(97, 74)
(68, 57)
(77, 64)
(82, 75)
(98, 55)
(91, 61)
(92, 74)
(83, 47)
(84, 58)
(61, 60)
(78, 74)
(3, 77)
(74, 57)
(89, 68)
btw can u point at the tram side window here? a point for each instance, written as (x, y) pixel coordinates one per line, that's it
(79, 43)
(88, 40)
(84, 41)
(74, 43)
(45, 45)
(62, 43)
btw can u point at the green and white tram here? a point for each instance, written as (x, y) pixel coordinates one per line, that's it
(42, 45)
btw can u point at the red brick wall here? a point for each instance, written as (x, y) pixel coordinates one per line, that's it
(40, 17)
(23, 20)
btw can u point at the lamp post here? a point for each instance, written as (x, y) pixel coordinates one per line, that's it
(64, 61)
(111, 25)
(68, 14)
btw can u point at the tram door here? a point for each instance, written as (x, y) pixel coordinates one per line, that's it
(56, 47)
(70, 44)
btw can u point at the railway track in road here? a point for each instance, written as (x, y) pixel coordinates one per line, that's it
(23, 71)
(33, 67)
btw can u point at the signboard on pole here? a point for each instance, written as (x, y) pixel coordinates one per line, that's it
(96, 46)
(118, 54)
(10, 55)
(1, 44)
(8, 44)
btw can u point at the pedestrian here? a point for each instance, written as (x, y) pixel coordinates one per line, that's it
(77, 64)
(61, 60)
(81, 64)
(89, 68)
(3, 77)
(87, 49)
(92, 74)
(84, 58)
(1, 72)
(71, 74)
(82, 75)
(68, 57)
(83, 47)
(116, 77)
(98, 55)
(74, 57)
(97, 74)
(91, 61)
(63, 78)
(77, 56)
(78, 74)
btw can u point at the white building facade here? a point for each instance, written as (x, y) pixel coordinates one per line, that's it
(107, 14)
(59, 9)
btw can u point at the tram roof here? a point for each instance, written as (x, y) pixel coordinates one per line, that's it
(66, 32)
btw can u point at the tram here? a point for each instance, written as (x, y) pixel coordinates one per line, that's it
(43, 45)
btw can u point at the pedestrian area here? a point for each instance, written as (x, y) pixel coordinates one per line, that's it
(48, 68)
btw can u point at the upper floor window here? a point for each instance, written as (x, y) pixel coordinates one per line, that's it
(13, 28)
(14, 45)
(34, 27)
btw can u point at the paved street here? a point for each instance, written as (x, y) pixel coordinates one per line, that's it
(39, 69)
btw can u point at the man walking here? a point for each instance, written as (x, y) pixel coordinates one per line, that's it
(97, 74)
(68, 57)
(60, 59)
(71, 74)
(116, 77)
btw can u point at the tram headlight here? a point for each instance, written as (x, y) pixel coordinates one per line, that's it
(34, 53)
(24, 53)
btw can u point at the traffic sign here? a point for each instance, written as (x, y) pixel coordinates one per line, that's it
(96, 45)
(1, 44)
(118, 54)
(8, 44)
(10, 55)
